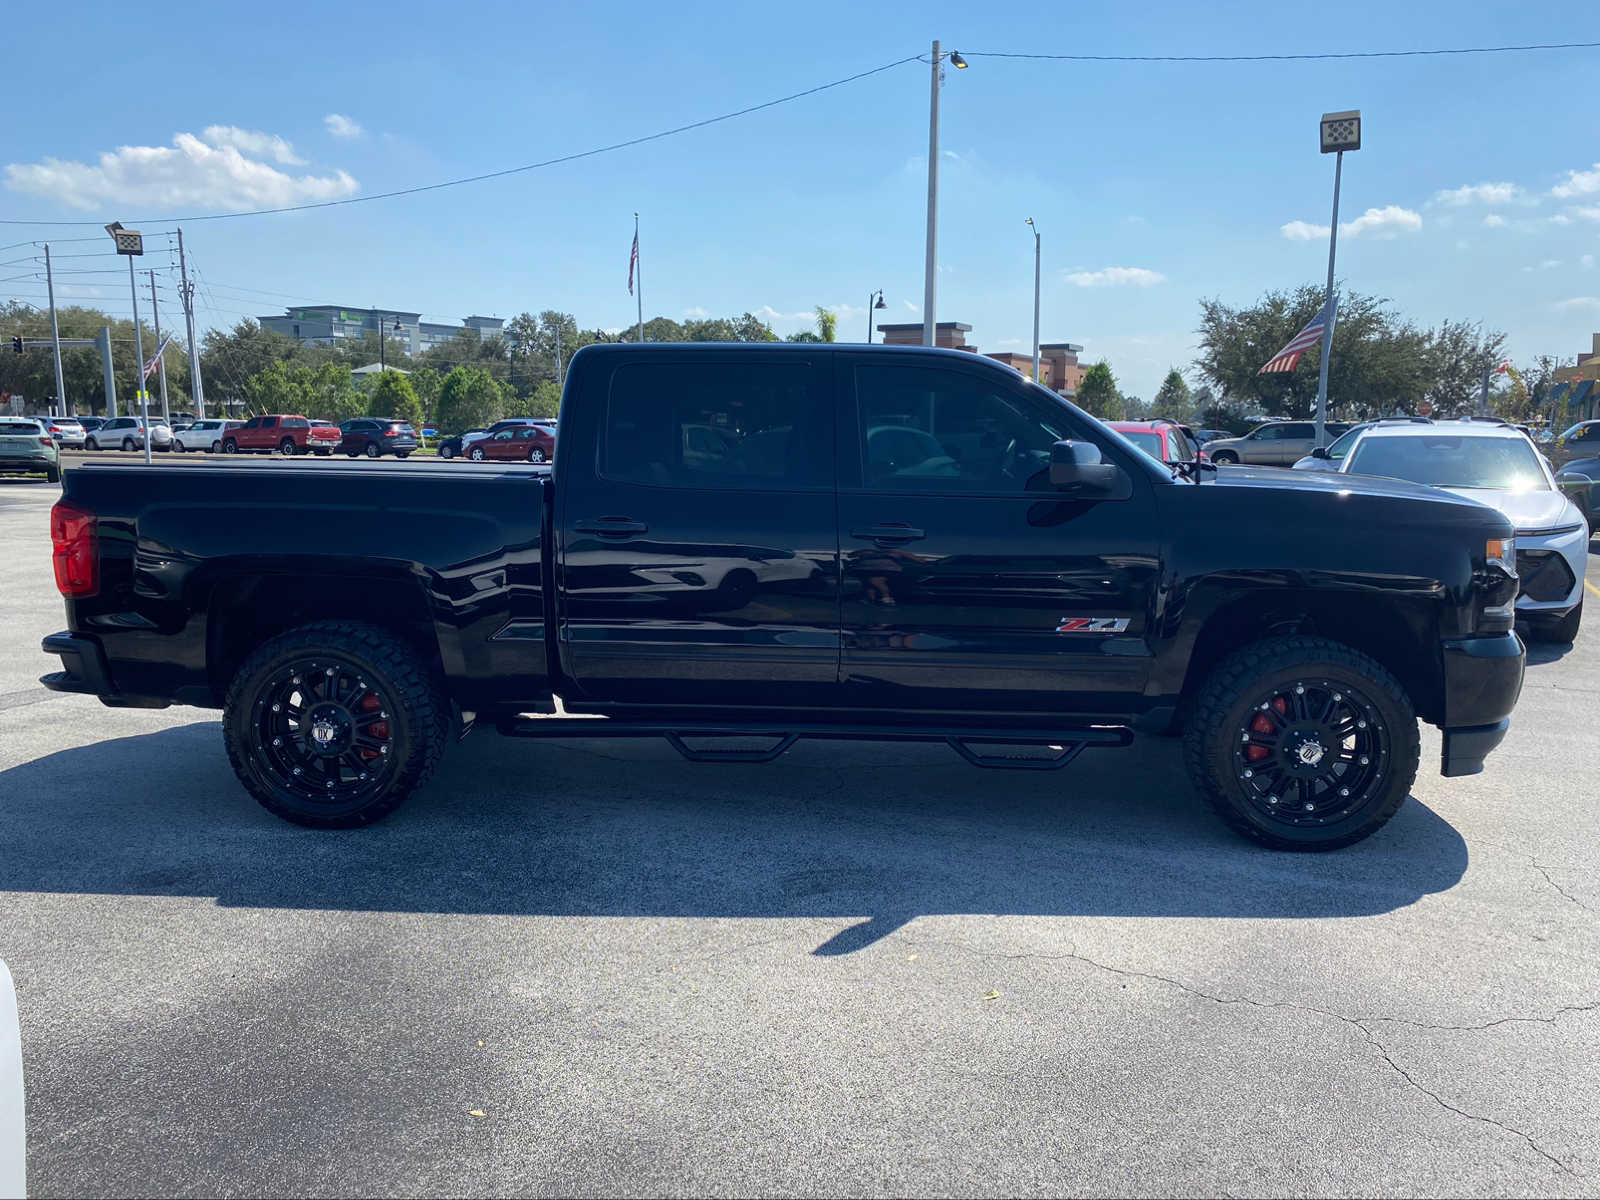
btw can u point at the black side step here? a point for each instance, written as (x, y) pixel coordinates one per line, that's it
(1067, 742)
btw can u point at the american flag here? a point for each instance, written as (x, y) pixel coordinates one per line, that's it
(633, 261)
(1285, 359)
(155, 359)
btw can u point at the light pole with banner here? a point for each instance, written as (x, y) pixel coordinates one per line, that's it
(131, 243)
(1035, 229)
(1341, 131)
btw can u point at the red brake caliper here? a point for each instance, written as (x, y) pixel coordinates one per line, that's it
(379, 729)
(1263, 725)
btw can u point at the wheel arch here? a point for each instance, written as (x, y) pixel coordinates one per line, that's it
(1397, 632)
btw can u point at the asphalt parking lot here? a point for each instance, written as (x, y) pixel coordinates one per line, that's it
(864, 969)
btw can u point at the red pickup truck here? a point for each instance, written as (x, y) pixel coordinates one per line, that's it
(281, 434)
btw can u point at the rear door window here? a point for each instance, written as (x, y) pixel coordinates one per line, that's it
(763, 425)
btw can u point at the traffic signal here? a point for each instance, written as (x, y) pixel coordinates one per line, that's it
(16, 345)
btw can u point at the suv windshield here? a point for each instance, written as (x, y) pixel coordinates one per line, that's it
(1440, 460)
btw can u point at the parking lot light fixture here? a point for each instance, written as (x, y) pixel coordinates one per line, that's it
(130, 242)
(1340, 131)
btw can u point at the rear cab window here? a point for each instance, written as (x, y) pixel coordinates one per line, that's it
(704, 424)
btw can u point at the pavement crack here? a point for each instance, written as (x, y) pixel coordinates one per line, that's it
(1359, 1023)
(1544, 871)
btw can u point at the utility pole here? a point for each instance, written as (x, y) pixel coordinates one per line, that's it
(930, 282)
(103, 341)
(196, 388)
(558, 354)
(1035, 229)
(161, 358)
(55, 336)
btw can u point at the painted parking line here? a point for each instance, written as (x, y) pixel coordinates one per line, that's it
(1591, 587)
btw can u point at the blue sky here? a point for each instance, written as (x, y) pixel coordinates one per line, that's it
(1153, 184)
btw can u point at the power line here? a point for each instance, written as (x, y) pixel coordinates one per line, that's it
(1278, 57)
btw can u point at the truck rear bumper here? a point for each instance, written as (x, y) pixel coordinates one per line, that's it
(1482, 681)
(84, 670)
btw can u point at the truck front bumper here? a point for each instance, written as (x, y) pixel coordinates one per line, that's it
(85, 670)
(1482, 681)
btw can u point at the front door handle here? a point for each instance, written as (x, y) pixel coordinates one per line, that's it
(889, 531)
(611, 526)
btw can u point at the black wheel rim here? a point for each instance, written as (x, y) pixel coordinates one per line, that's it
(324, 733)
(1311, 753)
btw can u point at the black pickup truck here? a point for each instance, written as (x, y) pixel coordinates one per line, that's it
(769, 543)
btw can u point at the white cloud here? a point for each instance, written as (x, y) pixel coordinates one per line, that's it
(250, 141)
(192, 172)
(1579, 183)
(696, 313)
(1386, 222)
(1116, 277)
(1578, 302)
(1587, 260)
(910, 307)
(1587, 212)
(1493, 221)
(342, 126)
(1549, 263)
(1478, 193)
(1561, 219)
(78, 291)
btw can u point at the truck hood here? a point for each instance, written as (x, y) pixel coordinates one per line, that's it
(1526, 510)
(1334, 483)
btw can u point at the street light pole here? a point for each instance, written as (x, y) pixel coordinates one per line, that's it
(930, 281)
(1035, 229)
(161, 366)
(1340, 131)
(874, 301)
(55, 336)
(130, 242)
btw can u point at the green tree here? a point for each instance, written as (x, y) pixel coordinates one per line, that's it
(1457, 354)
(331, 393)
(545, 400)
(229, 358)
(275, 389)
(1172, 400)
(750, 328)
(827, 324)
(469, 398)
(392, 395)
(425, 382)
(1098, 394)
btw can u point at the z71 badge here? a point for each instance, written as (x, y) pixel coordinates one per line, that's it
(1092, 625)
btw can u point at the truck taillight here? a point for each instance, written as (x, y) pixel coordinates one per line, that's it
(75, 550)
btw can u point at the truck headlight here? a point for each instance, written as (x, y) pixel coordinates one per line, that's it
(1502, 553)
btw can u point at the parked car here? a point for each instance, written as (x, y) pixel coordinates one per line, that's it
(1328, 458)
(377, 436)
(452, 446)
(282, 433)
(1577, 481)
(1577, 441)
(1204, 436)
(67, 432)
(205, 435)
(1275, 444)
(1163, 440)
(1043, 583)
(127, 433)
(25, 445)
(523, 442)
(1497, 465)
(90, 424)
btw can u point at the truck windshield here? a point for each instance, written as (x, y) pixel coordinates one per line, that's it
(1499, 463)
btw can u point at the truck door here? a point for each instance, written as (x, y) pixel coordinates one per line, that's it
(968, 581)
(699, 552)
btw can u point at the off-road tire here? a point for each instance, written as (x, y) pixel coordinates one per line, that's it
(420, 717)
(1225, 701)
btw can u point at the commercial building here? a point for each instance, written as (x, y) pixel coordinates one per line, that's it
(329, 323)
(1059, 369)
(1577, 388)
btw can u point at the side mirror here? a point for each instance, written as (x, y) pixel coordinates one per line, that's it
(1080, 465)
(1321, 452)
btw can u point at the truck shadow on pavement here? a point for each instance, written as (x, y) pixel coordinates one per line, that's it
(877, 834)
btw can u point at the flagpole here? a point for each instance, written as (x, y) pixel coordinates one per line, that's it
(1327, 308)
(638, 273)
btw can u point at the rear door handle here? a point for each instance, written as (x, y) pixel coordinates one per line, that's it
(611, 526)
(890, 531)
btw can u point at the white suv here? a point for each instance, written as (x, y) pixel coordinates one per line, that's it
(127, 433)
(1496, 465)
